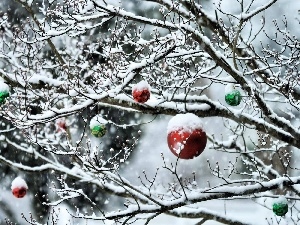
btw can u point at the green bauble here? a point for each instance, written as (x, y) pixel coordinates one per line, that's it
(233, 98)
(98, 130)
(280, 209)
(3, 96)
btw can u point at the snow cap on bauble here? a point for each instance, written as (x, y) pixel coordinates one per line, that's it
(185, 122)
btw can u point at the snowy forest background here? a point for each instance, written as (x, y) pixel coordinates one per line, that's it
(67, 61)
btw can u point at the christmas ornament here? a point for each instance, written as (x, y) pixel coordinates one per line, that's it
(186, 138)
(61, 125)
(19, 187)
(232, 96)
(4, 91)
(97, 126)
(141, 92)
(280, 206)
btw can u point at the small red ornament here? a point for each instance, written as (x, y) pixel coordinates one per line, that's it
(186, 138)
(19, 187)
(141, 92)
(61, 125)
(19, 192)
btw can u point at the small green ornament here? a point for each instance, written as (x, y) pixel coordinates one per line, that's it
(99, 130)
(3, 96)
(233, 98)
(280, 208)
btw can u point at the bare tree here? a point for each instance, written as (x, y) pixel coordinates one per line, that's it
(71, 59)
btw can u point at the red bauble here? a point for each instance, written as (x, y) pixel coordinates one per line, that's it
(61, 125)
(141, 96)
(19, 192)
(141, 92)
(187, 144)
